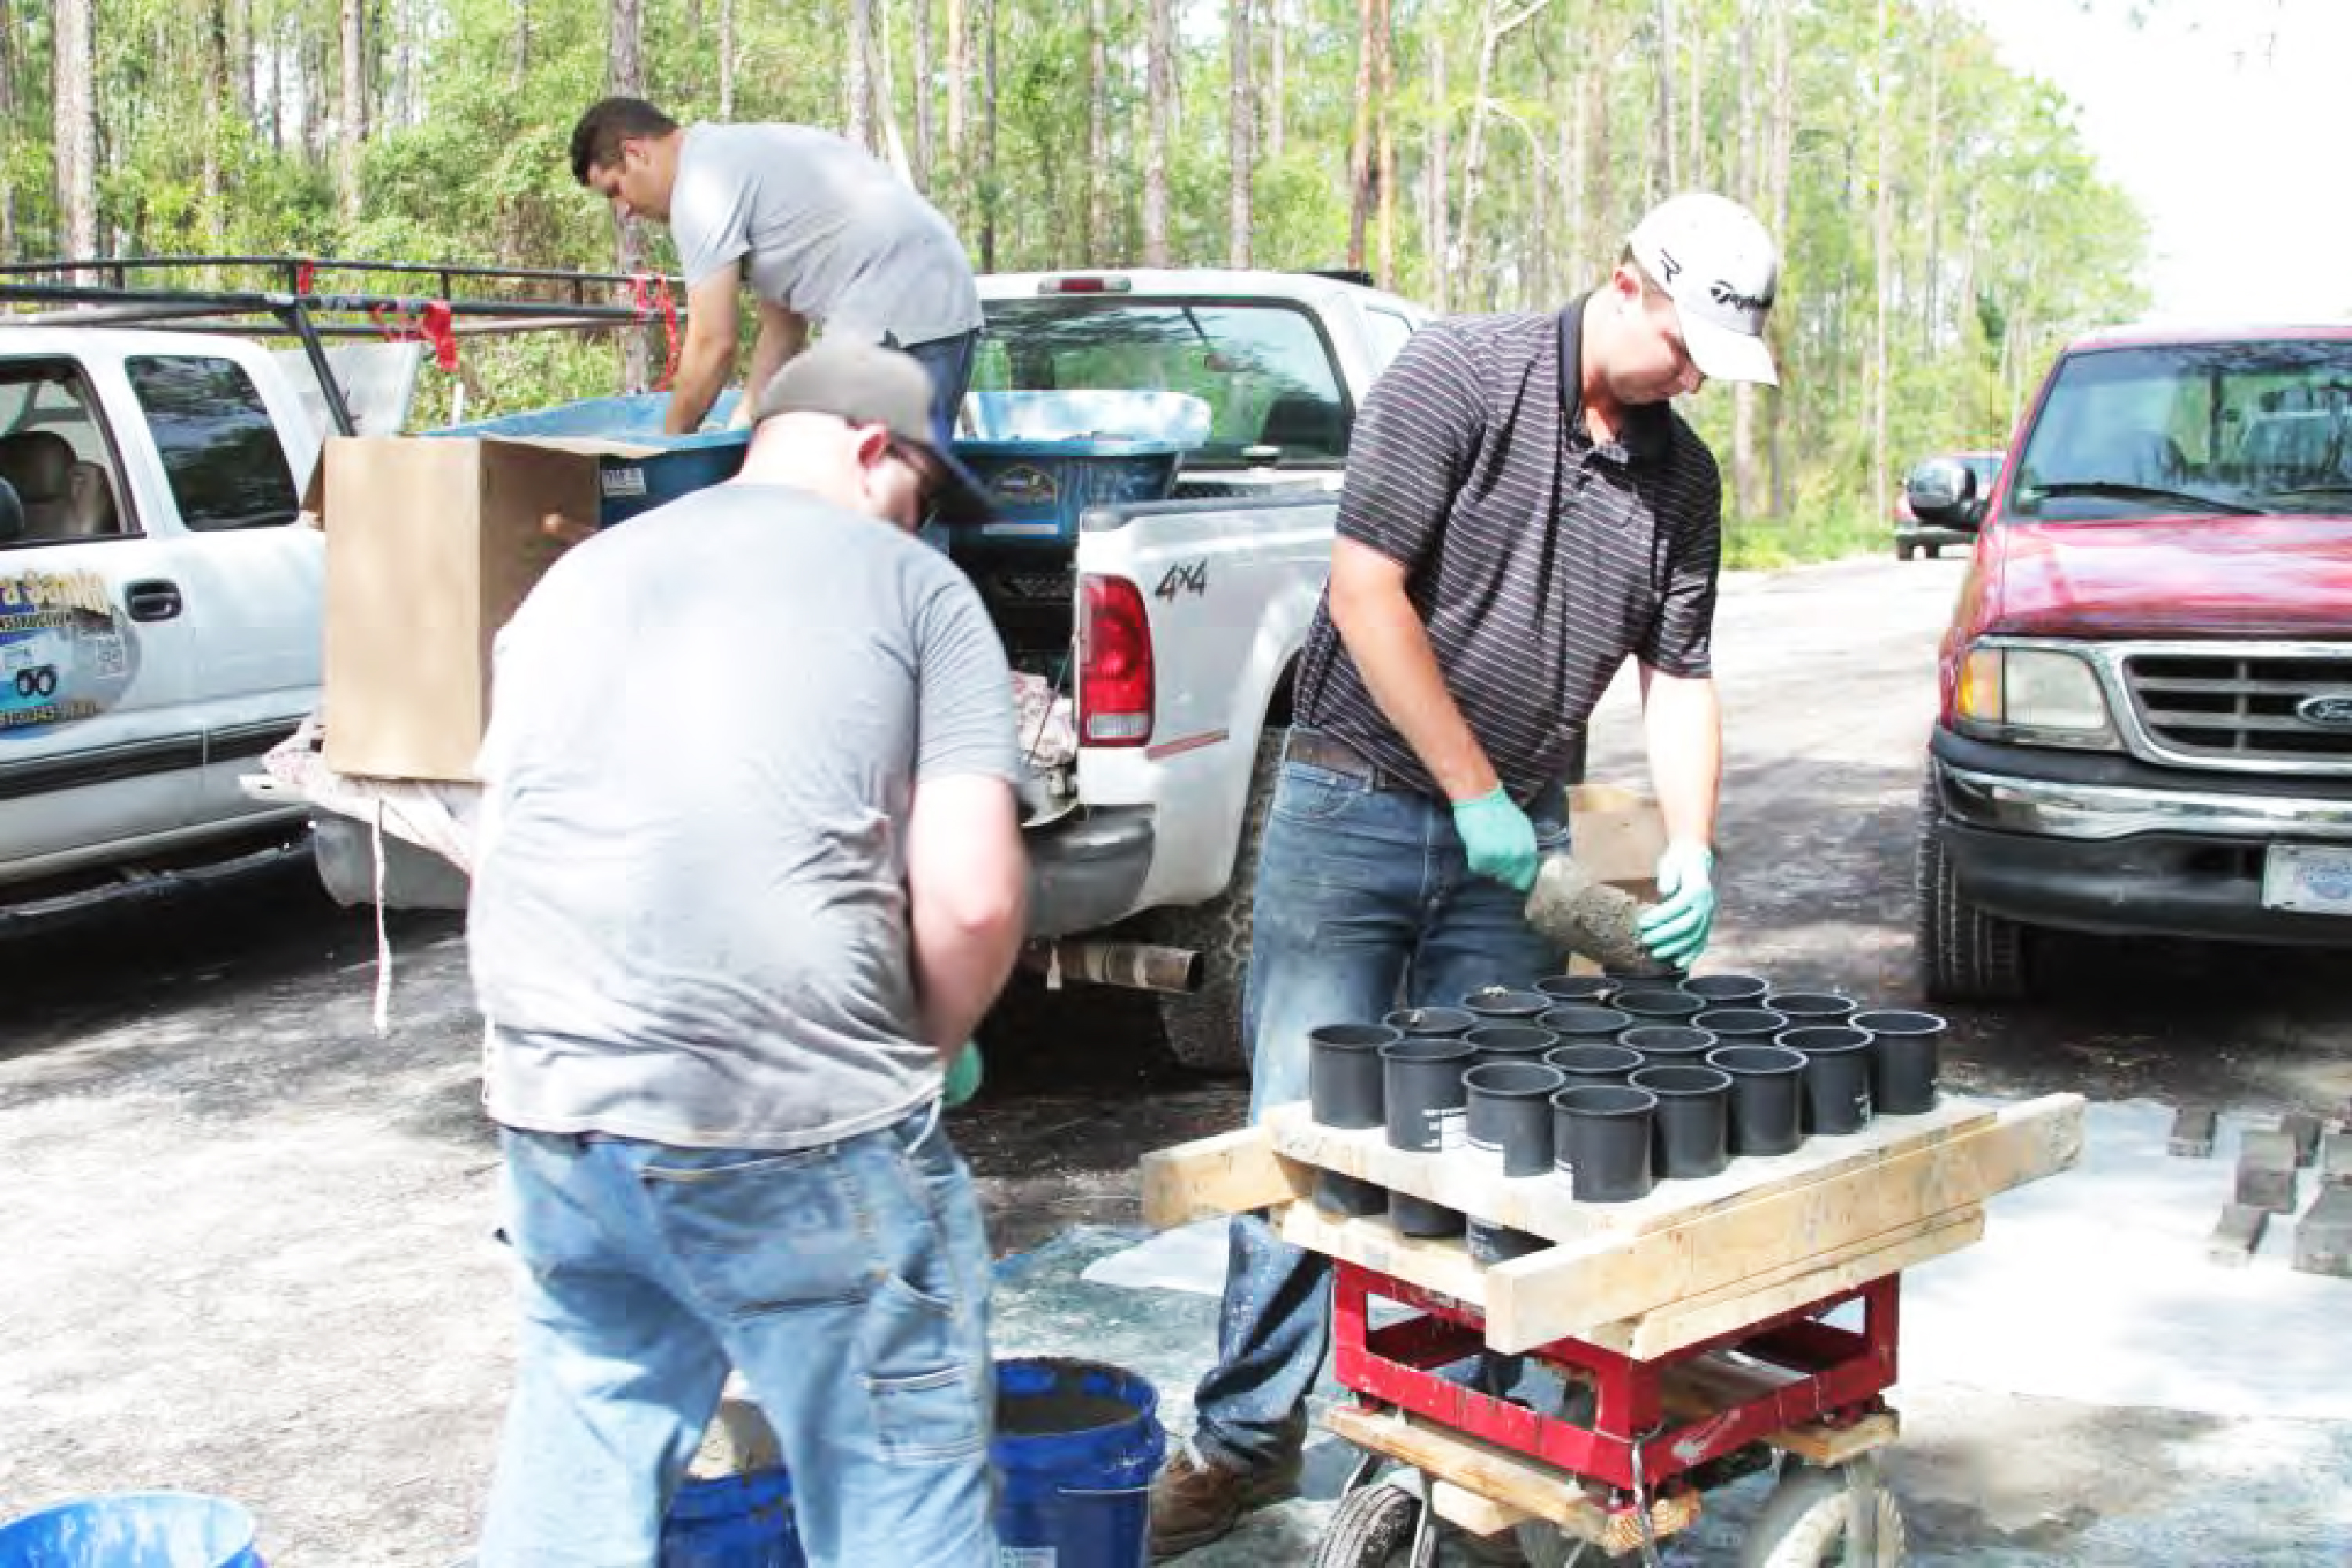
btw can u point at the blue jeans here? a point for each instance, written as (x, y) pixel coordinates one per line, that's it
(948, 361)
(1364, 903)
(849, 1284)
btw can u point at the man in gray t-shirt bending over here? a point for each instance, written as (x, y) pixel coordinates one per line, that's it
(823, 231)
(750, 870)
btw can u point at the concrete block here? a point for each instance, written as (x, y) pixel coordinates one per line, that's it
(2323, 1242)
(2336, 1158)
(2266, 1172)
(2236, 1235)
(2304, 1128)
(2192, 1132)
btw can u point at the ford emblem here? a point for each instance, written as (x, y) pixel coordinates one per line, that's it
(2330, 710)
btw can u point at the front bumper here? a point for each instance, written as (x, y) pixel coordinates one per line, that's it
(2129, 858)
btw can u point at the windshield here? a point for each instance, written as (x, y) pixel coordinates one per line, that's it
(1264, 370)
(2218, 427)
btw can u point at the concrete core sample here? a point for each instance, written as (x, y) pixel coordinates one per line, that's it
(1581, 915)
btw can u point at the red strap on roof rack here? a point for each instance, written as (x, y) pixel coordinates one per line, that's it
(649, 291)
(431, 322)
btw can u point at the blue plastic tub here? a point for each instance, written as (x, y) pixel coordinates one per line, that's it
(1076, 1446)
(733, 1522)
(132, 1529)
(1039, 490)
(628, 485)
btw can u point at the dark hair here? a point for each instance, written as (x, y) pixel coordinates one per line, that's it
(597, 139)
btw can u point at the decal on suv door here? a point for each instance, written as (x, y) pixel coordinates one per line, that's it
(66, 652)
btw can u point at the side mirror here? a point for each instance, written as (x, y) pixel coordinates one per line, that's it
(1941, 490)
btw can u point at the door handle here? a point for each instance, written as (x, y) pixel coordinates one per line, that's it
(153, 599)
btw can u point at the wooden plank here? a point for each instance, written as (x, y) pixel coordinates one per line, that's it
(1478, 1515)
(1752, 1301)
(1232, 1172)
(1542, 1206)
(1704, 1385)
(1439, 1264)
(1565, 1290)
(1534, 1488)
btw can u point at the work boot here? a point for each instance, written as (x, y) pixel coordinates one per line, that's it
(1195, 1500)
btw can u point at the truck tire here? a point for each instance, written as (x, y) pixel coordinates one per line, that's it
(1963, 953)
(1204, 1031)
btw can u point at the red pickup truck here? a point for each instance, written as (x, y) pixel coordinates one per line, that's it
(2145, 717)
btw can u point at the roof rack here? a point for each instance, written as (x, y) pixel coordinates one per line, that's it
(545, 299)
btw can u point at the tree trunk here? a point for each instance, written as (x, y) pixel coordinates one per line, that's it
(1784, 141)
(217, 115)
(924, 151)
(1241, 131)
(1883, 258)
(1494, 30)
(726, 60)
(958, 205)
(624, 74)
(1384, 134)
(1159, 92)
(351, 111)
(988, 189)
(1098, 241)
(240, 53)
(10, 65)
(1664, 178)
(1931, 309)
(1693, 160)
(1440, 155)
(1277, 57)
(1745, 396)
(518, 66)
(858, 74)
(74, 116)
(1360, 145)
(310, 80)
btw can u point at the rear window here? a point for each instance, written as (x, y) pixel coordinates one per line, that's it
(2264, 424)
(220, 451)
(1265, 369)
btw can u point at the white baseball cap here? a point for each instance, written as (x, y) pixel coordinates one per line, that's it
(1714, 261)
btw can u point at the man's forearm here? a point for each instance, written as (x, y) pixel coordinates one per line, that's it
(1390, 646)
(701, 372)
(782, 334)
(959, 968)
(1683, 723)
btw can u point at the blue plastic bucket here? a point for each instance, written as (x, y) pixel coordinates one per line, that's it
(1077, 1443)
(132, 1529)
(733, 1522)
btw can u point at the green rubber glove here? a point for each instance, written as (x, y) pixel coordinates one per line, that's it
(1676, 931)
(963, 1075)
(1498, 839)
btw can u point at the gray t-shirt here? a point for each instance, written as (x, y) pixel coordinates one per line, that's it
(822, 228)
(689, 919)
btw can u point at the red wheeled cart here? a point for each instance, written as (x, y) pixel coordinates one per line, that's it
(1690, 1331)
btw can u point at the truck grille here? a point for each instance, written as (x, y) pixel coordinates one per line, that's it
(2240, 708)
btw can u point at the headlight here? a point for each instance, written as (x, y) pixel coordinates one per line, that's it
(2034, 695)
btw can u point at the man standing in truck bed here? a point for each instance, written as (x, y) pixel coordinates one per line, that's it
(1523, 512)
(824, 234)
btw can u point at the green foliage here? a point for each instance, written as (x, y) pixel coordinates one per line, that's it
(2006, 238)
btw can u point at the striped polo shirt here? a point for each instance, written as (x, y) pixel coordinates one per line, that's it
(1537, 558)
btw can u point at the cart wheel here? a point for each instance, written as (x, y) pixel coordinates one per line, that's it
(1548, 1546)
(1803, 1525)
(1371, 1528)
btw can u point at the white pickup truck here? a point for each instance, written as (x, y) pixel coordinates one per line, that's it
(1173, 626)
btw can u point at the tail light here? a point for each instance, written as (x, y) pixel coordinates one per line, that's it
(1114, 665)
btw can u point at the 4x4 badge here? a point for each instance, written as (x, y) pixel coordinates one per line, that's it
(2331, 711)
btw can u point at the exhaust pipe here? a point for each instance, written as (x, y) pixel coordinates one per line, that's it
(1135, 966)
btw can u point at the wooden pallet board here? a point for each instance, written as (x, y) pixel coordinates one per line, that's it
(1230, 1173)
(1524, 1489)
(1543, 1205)
(1564, 1291)
(1704, 1385)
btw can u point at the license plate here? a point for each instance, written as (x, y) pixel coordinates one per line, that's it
(2311, 880)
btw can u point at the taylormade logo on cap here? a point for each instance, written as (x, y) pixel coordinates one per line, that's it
(1714, 261)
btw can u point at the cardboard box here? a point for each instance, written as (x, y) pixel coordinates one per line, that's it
(432, 542)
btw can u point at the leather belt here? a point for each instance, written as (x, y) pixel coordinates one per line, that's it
(1331, 754)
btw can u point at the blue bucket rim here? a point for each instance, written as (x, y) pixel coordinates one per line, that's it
(1113, 1452)
(232, 1512)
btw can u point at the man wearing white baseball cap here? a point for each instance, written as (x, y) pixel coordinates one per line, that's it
(1523, 512)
